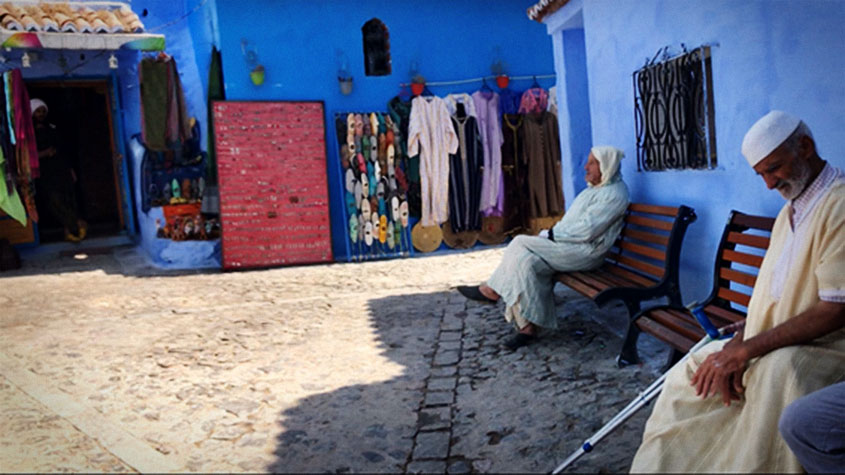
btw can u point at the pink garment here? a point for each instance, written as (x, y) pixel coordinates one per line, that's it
(490, 128)
(534, 101)
(24, 132)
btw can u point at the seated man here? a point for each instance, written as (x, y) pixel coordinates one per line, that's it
(579, 241)
(793, 342)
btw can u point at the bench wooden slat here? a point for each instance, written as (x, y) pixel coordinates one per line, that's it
(654, 209)
(643, 250)
(592, 280)
(755, 222)
(723, 314)
(619, 280)
(760, 242)
(649, 222)
(642, 280)
(577, 285)
(742, 258)
(737, 276)
(636, 264)
(646, 236)
(678, 342)
(734, 296)
(680, 322)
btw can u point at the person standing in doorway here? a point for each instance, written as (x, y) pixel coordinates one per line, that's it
(57, 174)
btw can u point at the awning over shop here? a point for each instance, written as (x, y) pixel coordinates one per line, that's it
(74, 25)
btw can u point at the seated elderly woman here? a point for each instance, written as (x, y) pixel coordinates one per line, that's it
(579, 241)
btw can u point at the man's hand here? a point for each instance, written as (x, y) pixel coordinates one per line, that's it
(721, 372)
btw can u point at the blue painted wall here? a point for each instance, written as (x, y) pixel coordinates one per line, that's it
(578, 107)
(771, 55)
(186, 25)
(297, 42)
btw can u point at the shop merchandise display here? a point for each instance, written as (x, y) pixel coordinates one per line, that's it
(175, 180)
(375, 187)
(475, 167)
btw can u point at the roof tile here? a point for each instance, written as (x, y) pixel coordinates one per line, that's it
(69, 18)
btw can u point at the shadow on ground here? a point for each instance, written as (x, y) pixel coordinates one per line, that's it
(117, 256)
(465, 405)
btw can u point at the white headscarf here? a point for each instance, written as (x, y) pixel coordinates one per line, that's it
(608, 158)
(35, 103)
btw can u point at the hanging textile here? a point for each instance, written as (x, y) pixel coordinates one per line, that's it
(492, 187)
(216, 92)
(452, 101)
(25, 150)
(542, 152)
(10, 202)
(514, 172)
(400, 113)
(165, 120)
(534, 101)
(465, 176)
(430, 133)
(509, 101)
(552, 107)
(6, 135)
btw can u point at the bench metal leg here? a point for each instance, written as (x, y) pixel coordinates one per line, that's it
(674, 357)
(628, 355)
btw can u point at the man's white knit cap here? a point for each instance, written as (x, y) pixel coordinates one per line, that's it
(767, 134)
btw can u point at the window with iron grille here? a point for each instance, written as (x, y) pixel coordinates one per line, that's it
(673, 112)
(376, 48)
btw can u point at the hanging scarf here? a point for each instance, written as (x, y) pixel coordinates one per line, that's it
(26, 151)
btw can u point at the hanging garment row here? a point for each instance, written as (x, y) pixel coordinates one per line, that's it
(489, 164)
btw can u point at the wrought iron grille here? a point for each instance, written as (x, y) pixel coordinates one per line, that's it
(673, 113)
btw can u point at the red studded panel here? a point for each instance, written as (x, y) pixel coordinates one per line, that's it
(274, 199)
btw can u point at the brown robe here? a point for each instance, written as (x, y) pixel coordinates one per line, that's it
(514, 172)
(542, 152)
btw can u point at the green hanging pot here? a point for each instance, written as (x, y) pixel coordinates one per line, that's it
(257, 75)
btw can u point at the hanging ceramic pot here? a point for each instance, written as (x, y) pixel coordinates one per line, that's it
(257, 75)
(502, 81)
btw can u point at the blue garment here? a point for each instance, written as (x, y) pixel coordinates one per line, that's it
(509, 101)
(581, 239)
(814, 428)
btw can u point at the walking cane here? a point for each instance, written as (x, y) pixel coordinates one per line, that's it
(650, 392)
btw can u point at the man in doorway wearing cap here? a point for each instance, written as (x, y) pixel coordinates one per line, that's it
(579, 241)
(719, 411)
(57, 175)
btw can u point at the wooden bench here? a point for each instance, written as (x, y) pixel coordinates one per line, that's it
(738, 258)
(641, 266)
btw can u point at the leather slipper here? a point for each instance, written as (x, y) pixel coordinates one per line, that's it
(518, 341)
(472, 292)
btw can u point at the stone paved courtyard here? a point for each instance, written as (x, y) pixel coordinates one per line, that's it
(109, 365)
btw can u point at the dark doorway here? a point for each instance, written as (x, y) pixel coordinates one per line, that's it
(81, 112)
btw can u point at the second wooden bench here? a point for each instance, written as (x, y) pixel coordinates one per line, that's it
(641, 266)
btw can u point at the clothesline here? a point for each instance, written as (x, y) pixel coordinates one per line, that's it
(466, 81)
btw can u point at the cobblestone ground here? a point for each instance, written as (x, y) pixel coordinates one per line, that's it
(109, 365)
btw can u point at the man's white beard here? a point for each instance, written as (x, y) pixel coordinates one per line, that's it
(791, 188)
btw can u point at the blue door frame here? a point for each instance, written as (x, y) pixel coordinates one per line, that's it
(120, 147)
(118, 142)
